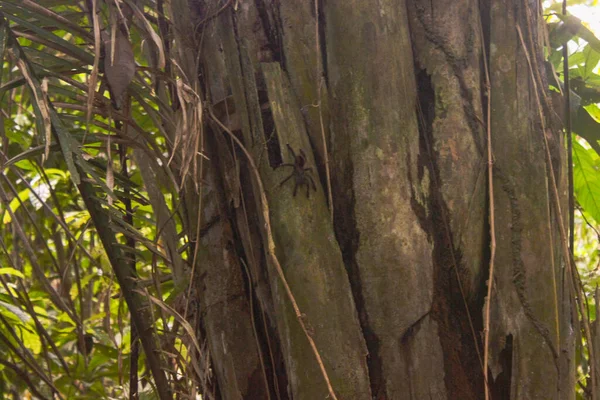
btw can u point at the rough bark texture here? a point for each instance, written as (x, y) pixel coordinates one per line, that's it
(527, 315)
(378, 180)
(392, 291)
(224, 306)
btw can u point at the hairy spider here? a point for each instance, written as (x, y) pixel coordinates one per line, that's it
(300, 174)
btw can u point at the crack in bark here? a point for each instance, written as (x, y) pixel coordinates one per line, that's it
(408, 333)
(519, 272)
(406, 349)
(501, 386)
(322, 41)
(271, 24)
(461, 364)
(458, 64)
(348, 238)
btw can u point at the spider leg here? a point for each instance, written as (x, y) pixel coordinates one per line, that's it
(302, 154)
(296, 188)
(292, 151)
(285, 165)
(286, 179)
(307, 189)
(312, 182)
(309, 169)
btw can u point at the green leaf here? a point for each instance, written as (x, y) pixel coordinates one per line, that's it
(64, 138)
(15, 204)
(27, 165)
(594, 111)
(11, 271)
(61, 44)
(17, 134)
(586, 179)
(590, 59)
(31, 340)
(14, 311)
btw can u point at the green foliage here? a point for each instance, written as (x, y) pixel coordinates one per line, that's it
(57, 285)
(583, 66)
(586, 179)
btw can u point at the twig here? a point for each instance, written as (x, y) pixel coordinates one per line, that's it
(567, 119)
(200, 173)
(486, 329)
(590, 225)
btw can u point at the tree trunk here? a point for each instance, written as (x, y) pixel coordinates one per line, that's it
(387, 101)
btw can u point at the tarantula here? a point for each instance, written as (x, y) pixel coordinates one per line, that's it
(300, 174)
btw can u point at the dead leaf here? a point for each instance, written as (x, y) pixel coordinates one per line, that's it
(119, 65)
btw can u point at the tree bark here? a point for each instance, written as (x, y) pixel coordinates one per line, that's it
(391, 98)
